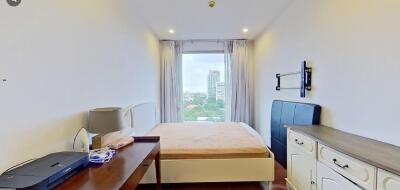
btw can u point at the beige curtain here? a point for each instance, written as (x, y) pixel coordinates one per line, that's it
(240, 74)
(228, 47)
(171, 81)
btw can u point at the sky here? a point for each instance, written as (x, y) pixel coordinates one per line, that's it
(195, 68)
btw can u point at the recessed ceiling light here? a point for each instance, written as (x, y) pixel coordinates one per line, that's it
(211, 3)
(245, 30)
(171, 31)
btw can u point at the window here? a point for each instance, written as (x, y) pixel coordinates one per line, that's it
(203, 76)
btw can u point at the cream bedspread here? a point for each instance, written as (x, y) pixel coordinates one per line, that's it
(209, 140)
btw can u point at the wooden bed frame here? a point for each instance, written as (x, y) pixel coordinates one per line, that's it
(200, 170)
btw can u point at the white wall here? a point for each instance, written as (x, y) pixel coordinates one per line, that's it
(354, 49)
(62, 58)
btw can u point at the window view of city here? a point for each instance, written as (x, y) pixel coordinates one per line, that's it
(203, 78)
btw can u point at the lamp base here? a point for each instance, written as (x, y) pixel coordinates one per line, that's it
(115, 140)
(96, 142)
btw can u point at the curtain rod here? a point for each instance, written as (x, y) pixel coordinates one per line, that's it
(206, 40)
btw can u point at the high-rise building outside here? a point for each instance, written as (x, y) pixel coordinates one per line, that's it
(220, 91)
(213, 79)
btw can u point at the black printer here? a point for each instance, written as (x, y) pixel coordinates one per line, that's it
(45, 173)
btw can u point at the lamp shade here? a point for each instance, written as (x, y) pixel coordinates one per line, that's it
(105, 120)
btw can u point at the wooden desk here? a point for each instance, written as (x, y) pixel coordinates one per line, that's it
(124, 171)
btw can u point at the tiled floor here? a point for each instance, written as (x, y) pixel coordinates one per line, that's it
(279, 184)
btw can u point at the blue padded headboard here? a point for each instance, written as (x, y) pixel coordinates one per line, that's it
(289, 113)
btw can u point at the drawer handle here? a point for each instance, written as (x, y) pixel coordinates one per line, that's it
(341, 166)
(297, 142)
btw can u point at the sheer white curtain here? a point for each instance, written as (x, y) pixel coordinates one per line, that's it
(228, 46)
(239, 86)
(171, 81)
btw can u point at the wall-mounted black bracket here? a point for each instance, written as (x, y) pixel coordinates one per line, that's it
(305, 84)
(278, 81)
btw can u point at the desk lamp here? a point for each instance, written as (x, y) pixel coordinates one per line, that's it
(108, 124)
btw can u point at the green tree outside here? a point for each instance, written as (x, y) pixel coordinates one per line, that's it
(198, 108)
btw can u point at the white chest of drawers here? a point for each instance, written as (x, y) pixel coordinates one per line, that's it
(388, 181)
(357, 171)
(328, 179)
(337, 164)
(301, 162)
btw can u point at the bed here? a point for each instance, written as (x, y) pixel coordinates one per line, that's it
(204, 152)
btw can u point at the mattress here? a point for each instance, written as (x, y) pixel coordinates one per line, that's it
(209, 141)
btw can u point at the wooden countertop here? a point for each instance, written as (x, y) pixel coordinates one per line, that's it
(381, 155)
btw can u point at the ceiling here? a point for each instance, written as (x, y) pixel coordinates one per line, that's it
(194, 19)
